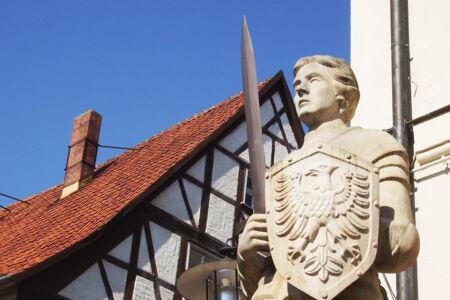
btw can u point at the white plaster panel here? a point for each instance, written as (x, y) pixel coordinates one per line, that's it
(117, 278)
(167, 249)
(171, 201)
(244, 155)
(236, 138)
(123, 250)
(275, 130)
(267, 112)
(280, 152)
(166, 294)
(288, 130)
(277, 99)
(143, 262)
(220, 219)
(267, 145)
(225, 175)
(194, 195)
(143, 289)
(198, 170)
(88, 285)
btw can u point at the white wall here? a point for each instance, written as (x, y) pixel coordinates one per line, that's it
(430, 74)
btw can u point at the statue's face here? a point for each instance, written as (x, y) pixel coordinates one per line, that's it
(316, 95)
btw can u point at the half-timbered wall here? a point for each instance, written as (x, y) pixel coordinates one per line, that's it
(194, 214)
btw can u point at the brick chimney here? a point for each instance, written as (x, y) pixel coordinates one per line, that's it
(82, 155)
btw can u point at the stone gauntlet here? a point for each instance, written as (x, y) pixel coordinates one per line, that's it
(399, 247)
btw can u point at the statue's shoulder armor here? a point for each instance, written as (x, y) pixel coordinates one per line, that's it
(370, 144)
(379, 148)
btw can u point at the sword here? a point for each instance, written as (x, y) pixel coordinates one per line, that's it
(254, 134)
(253, 118)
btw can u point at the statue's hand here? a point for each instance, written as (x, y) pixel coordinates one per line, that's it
(402, 238)
(254, 238)
(399, 247)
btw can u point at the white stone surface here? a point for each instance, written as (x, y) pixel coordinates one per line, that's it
(117, 278)
(88, 285)
(220, 219)
(171, 201)
(123, 250)
(166, 294)
(198, 170)
(167, 249)
(143, 262)
(225, 175)
(267, 112)
(277, 99)
(194, 195)
(143, 289)
(288, 130)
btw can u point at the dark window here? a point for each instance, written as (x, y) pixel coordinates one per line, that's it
(199, 256)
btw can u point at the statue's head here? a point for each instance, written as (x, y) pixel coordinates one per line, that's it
(326, 88)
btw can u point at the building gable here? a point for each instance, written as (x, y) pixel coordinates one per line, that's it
(197, 205)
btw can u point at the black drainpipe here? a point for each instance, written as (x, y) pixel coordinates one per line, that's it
(402, 113)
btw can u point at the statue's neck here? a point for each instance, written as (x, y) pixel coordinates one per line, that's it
(325, 132)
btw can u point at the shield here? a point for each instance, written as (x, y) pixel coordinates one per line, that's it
(322, 217)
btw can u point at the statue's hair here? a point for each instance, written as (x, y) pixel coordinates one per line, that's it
(345, 80)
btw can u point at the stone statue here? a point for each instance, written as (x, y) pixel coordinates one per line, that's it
(338, 209)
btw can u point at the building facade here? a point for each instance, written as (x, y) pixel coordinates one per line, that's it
(430, 74)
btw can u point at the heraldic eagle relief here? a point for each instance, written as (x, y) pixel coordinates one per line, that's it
(337, 210)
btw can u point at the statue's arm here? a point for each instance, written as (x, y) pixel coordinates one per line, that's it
(399, 239)
(253, 239)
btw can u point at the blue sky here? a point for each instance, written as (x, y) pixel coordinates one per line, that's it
(144, 65)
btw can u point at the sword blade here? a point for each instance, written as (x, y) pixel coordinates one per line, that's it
(253, 118)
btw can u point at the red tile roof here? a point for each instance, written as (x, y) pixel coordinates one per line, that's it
(45, 226)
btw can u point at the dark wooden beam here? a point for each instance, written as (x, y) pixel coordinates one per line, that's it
(233, 156)
(131, 277)
(176, 226)
(108, 288)
(186, 202)
(151, 255)
(209, 161)
(280, 124)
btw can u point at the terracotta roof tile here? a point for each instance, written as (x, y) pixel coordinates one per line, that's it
(46, 225)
